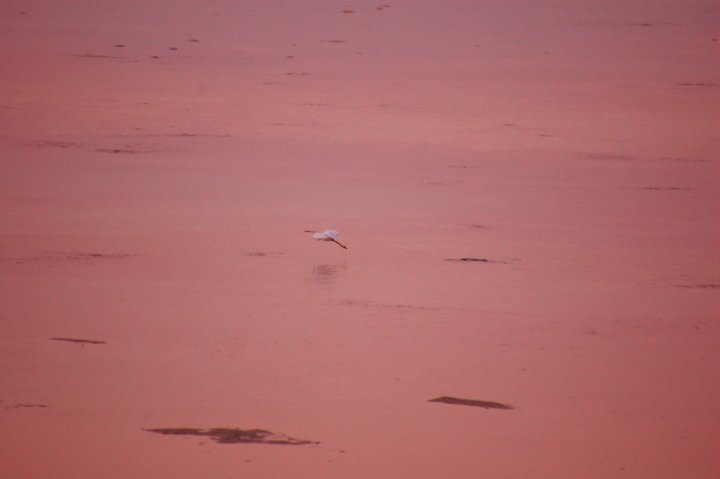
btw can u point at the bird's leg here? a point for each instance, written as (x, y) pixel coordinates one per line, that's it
(336, 241)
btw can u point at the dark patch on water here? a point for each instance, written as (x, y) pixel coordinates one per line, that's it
(121, 151)
(699, 286)
(235, 436)
(176, 135)
(683, 160)
(93, 55)
(471, 402)
(57, 144)
(27, 406)
(409, 308)
(51, 258)
(471, 260)
(609, 157)
(79, 341)
(697, 85)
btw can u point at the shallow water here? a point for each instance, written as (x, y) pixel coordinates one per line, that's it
(156, 208)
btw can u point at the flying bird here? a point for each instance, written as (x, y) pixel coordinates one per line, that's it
(327, 235)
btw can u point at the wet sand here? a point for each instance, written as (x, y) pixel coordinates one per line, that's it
(528, 191)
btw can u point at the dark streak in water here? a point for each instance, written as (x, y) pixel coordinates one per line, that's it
(79, 341)
(93, 55)
(471, 260)
(698, 84)
(235, 436)
(699, 286)
(52, 258)
(122, 151)
(27, 406)
(471, 402)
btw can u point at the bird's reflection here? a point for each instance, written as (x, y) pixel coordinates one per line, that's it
(327, 274)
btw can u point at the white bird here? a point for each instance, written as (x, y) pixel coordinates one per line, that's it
(328, 235)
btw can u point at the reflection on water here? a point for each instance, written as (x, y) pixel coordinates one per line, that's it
(327, 274)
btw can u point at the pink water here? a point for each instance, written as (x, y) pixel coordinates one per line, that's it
(159, 205)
